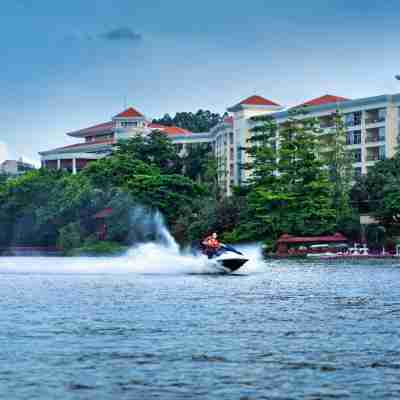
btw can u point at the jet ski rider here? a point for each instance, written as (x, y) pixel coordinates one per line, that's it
(211, 245)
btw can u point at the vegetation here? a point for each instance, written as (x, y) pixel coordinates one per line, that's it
(50, 208)
(301, 185)
(201, 121)
(289, 188)
(378, 194)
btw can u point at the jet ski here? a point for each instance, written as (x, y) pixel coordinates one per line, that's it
(227, 259)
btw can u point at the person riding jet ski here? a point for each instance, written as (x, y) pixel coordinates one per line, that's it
(211, 245)
(225, 258)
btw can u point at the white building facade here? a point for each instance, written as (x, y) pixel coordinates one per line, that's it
(372, 126)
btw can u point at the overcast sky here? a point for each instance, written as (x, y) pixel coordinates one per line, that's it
(68, 64)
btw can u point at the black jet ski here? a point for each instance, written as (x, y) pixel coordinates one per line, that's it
(227, 259)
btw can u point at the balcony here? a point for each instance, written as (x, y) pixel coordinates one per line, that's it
(375, 135)
(375, 116)
(326, 122)
(353, 119)
(375, 120)
(353, 137)
(375, 157)
(377, 154)
(374, 139)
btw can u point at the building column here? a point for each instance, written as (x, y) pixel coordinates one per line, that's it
(74, 165)
(58, 163)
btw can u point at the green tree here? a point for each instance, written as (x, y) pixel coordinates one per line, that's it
(289, 188)
(379, 193)
(339, 164)
(201, 121)
(195, 161)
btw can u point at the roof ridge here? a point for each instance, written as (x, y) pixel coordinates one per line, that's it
(130, 112)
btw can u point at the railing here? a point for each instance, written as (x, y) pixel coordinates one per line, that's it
(353, 140)
(375, 157)
(375, 120)
(372, 139)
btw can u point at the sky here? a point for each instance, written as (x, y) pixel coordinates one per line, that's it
(68, 65)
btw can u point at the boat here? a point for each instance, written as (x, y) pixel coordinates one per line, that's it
(227, 259)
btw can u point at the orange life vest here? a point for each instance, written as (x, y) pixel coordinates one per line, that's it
(213, 243)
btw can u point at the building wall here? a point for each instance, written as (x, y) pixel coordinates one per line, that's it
(228, 141)
(371, 151)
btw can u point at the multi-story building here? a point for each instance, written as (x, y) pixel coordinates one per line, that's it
(372, 125)
(372, 133)
(15, 167)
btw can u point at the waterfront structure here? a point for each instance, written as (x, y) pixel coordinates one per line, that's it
(288, 245)
(99, 139)
(15, 167)
(372, 126)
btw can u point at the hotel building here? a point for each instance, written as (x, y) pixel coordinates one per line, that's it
(372, 126)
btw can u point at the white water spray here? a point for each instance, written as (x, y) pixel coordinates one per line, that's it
(156, 252)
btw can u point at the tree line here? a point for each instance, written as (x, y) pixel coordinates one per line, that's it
(299, 181)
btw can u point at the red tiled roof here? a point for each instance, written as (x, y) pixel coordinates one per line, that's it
(77, 145)
(326, 99)
(337, 237)
(129, 113)
(170, 130)
(156, 126)
(105, 126)
(258, 101)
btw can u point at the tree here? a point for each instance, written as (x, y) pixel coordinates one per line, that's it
(3, 178)
(339, 164)
(154, 149)
(379, 193)
(201, 121)
(195, 161)
(289, 188)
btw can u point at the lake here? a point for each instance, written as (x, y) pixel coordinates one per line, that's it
(157, 325)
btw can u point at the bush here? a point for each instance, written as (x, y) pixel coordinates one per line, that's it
(69, 236)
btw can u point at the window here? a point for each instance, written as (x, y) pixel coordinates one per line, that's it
(382, 153)
(353, 137)
(376, 115)
(353, 119)
(382, 114)
(356, 155)
(357, 172)
(231, 138)
(381, 134)
(126, 124)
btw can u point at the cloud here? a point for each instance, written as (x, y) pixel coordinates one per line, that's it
(4, 153)
(121, 34)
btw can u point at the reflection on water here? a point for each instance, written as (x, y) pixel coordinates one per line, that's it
(105, 329)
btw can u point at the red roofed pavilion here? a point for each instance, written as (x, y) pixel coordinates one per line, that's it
(326, 99)
(258, 101)
(285, 241)
(129, 113)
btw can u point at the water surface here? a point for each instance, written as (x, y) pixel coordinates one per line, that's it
(281, 330)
